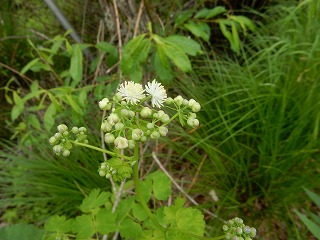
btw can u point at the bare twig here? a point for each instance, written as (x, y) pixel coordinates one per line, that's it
(136, 27)
(180, 189)
(119, 34)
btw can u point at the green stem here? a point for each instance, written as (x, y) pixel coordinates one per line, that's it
(113, 154)
(136, 179)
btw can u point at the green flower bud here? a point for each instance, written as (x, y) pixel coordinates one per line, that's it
(119, 126)
(146, 112)
(185, 102)
(117, 98)
(113, 118)
(57, 149)
(165, 118)
(150, 125)
(155, 135)
(143, 139)
(62, 128)
(52, 140)
(82, 129)
(163, 131)
(124, 112)
(137, 134)
(66, 153)
(109, 138)
(178, 100)
(196, 107)
(253, 232)
(75, 130)
(132, 144)
(102, 173)
(104, 104)
(121, 143)
(57, 136)
(225, 228)
(239, 230)
(169, 101)
(65, 134)
(106, 126)
(131, 114)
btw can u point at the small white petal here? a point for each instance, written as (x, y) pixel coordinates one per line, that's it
(131, 92)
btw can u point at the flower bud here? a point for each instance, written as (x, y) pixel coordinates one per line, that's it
(66, 153)
(132, 144)
(131, 114)
(57, 149)
(117, 98)
(225, 228)
(75, 130)
(62, 128)
(109, 138)
(163, 131)
(185, 102)
(121, 143)
(119, 126)
(57, 136)
(137, 134)
(169, 100)
(196, 107)
(102, 173)
(178, 100)
(52, 140)
(165, 118)
(82, 129)
(104, 104)
(124, 112)
(106, 126)
(253, 232)
(146, 112)
(155, 135)
(143, 139)
(150, 125)
(113, 118)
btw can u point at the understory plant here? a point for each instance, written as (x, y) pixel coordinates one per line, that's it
(135, 115)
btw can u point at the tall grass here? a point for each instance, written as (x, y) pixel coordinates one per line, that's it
(260, 122)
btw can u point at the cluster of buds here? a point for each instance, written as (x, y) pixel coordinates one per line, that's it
(61, 140)
(115, 168)
(133, 120)
(236, 230)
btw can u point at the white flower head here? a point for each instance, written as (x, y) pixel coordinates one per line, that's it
(157, 92)
(131, 92)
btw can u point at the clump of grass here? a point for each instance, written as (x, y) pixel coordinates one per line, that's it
(260, 123)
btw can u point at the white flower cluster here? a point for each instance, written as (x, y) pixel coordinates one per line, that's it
(60, 140)
(130, 121)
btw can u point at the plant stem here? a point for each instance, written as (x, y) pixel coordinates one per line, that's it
(136, 179)
(113, 154)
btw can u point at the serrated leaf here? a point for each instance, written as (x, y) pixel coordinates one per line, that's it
(146, 186)
(170, 212)
(59, 224)
(34, 121)
(313, 227)
(139, 212)
(130, 229)
(49, 116)
(210, 13)
(29, 65)
(83, 227)
(161, 185)
(188, 45)
(76, 64)
(124, 208)
(182, 17)
(199, 29)
(190, 220)
(106, 221)
(95, 200)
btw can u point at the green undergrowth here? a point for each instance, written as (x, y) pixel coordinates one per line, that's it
(258, 143)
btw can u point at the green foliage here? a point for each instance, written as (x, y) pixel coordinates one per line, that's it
(21, 231)
(312, 221)
(129, 218)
